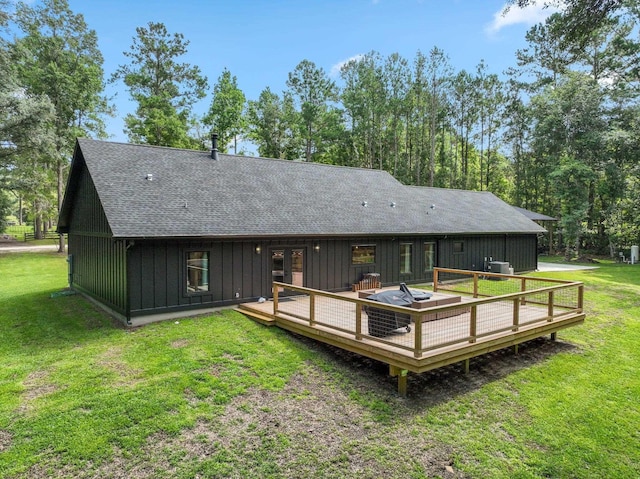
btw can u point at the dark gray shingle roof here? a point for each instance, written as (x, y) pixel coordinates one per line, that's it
(194, 195)
(532, 215)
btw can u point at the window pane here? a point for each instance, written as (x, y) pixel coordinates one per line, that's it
(429, 256)
(363, 254)
(197, 271)
(458, 247)
(405, 258)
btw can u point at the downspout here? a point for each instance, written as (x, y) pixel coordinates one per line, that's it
(505, 248)
(127, 308)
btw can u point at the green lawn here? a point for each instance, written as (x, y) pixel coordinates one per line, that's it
(221, 396)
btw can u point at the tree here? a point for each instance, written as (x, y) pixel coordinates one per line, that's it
(584, 16)
(272, 125)
(365, 101)
(464, 107)
(397, 83)
(546, 56)
(5, 209)
(313, 90)
(516, 134)
(226, 113)
(572, 179)
(58, 56)
(24, 116)
(417, 100)
(164, 89)
(439, 74)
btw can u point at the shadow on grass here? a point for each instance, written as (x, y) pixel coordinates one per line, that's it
(431, 388)
(35, 321)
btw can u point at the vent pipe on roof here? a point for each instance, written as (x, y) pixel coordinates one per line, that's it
(214, 146)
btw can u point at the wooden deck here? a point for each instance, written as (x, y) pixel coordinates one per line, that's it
(438, 336)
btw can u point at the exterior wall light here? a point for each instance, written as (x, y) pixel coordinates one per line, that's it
(258, 249)
(316, 247)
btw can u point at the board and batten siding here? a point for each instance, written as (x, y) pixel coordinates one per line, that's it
(97, 262)
(237, 273)
(517, 250)
(157, 270)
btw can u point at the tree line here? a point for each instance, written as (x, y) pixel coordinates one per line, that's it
(556, 134)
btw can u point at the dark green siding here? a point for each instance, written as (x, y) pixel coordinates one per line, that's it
(157, 268)
(518, 250)
(87, 214)
(99, 269)
(98, 263)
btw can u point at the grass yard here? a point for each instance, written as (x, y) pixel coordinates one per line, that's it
(221, 396)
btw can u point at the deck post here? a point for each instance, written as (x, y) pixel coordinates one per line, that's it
(523, 288)
(475, 285)
(554, 335)
(312, 309)
(402, 383)
(417, 322)
(580, 297)
(402, 378)
(515, 349)
(516, 314)
(473, 324)
(275, 299)
(550, 307)
(358, 320)
(435, 280)
(466, 366)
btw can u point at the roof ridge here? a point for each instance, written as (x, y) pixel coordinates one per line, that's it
(450, 189)
(250, 157)
(142, 145)
(296, 162)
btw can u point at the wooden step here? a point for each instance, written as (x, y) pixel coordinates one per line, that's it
(257, 316)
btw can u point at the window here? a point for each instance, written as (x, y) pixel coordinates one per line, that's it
(405, 258)
(197, 271)
(429, 251)
(458, 247)
(363, 254)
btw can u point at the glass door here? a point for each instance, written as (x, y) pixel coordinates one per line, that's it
(287, 266)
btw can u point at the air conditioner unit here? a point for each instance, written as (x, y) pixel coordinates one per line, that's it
(501, 267)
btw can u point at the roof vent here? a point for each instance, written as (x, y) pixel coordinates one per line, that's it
(365, 204)
(149, 177)
(392, 204)
(214, 146)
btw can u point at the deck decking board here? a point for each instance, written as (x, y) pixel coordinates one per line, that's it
(444, 341)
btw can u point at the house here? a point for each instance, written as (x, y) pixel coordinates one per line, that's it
(545, 243)
(160, 232)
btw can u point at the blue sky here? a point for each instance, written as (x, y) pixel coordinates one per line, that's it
(260, 42)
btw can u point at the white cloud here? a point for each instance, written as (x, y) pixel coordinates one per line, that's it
(529, 16)
(335, 69)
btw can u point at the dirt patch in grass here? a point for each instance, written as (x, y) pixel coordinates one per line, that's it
(125, 374)
(35, 387)
(311, 428)
(338, 417)
(179, 343)
(5, 440)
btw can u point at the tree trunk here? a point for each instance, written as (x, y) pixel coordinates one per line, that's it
(61, 248)
(37, 227)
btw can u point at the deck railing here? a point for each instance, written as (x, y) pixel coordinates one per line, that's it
(485, 284)
(480, 315)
